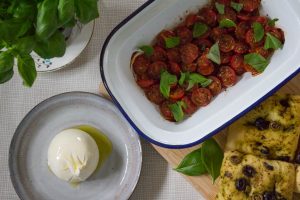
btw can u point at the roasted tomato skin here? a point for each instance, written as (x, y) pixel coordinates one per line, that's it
(202, 44)
(216, 86)
(251, 40)
(161, 37)
(189, 53)
(156, 68)
(205, 66)
(217, 32)
(229, 14)
(250, 5)
(262, 51)
(226, 57)
(237, 64)
(201, 97)
(159, 54)
(241, 48)
(241, 30)
(154, 95)
(174, 68)
(189, 67)
(185, 35)
(177, 93)
(208, 16)
(227, 76)
(191, 20)
(173, 55)
(226, 43)
(166, 111)
(145, 83)
(189, 107)
(140, 64)
(250, 69)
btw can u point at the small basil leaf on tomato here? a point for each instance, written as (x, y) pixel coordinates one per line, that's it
(172, 42)
(227, 23)
(177, 111)
(166, 80)
(199, 29)
(272, 22)
(259, 31)
(214, 54)
(237, 6)
(192, 164)
(148, 50)
(183, 77)
(199, 79)
(272, 42)
(220, 8)
(258, 62)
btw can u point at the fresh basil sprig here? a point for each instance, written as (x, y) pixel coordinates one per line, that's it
(166, 80)
(272, 22)
(199, 29)
(214, 54)
(220, 8)
(236, 6)
(193, 79)
(207, 159)
(177, 111)
(227, 23)
(172, 42)
(258, 62)
(259, 31)
(148, 50)
(272, 42)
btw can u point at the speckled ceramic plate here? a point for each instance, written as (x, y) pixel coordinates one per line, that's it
(29, 172)
(76, 43)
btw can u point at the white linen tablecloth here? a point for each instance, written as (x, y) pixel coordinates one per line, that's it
(157, 181)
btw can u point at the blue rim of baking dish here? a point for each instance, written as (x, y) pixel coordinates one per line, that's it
(217, 130)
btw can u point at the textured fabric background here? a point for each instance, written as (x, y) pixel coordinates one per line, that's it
(157, 181)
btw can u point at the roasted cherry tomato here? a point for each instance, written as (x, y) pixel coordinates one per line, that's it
(225, 57)
(161, 37)
(217, 32)
(226, 43)
(250, 5)
(216, 86)
(189, 53)
(145, 83)
(205, 66)
(262, 51)
(229, 14)
(201, 97)
(177, 94)
(237, 64)
(202, 43)
(191, 20)
(154, 94)
(241, 48)
(159, 54)
(250, 69)
(208, 16)
(174, 55)
(262, 19)
(166, 111)
(189, 67)
(156, 68)
(224, 2)
(241, 30)
(185, 34)
(140, 64)
(277, 32)
(227, 76)
(174, 68)
(251, 40)
(244, 16)
(189, 107)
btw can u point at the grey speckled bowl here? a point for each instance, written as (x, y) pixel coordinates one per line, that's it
(29, 172)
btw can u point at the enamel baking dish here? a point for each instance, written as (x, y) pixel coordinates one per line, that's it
(143, 25)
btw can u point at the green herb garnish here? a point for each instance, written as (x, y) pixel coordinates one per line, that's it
(166, 80)
(258, 62)
(177, 111)
(26, 68)
(214, 54)
(237, 6)
(259, 31)
(227, 23)
(220, 8)
(172, 42)
(272, 22)
(193, 79)
(183, 77)
(148, 50)
(272, 42)
(199, 29)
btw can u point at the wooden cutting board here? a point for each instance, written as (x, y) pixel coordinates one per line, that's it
(203, 184)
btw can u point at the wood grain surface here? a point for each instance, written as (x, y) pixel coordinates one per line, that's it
(203, 184)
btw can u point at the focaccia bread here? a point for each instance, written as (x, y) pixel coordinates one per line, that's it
(247, 177)
(271, 130)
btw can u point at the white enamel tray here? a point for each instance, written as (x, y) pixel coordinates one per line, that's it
(143, 25)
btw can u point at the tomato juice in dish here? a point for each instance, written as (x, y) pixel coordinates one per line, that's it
(187, 66)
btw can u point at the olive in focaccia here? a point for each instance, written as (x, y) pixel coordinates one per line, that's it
(271, 130)
(247, 177)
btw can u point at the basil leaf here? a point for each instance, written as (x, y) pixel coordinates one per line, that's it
(6, 61)
(177, 111)
(192, 164)
(199, 29)
(214, 54)
(25, 45)
(166, 80)
(66, 11)
(212, 156)
(6, 76)
(258, 62)
(272, 42)
(24, 9)
(86, 10)
(237, 6)
(259, 31)
(27, 71)
(227, 23)
(46, 23)
(172, 42)
(199, 79)
(183, 78)
(220, 8)
(272, 22)
(14, 28)
(148, 50)
(55, 46)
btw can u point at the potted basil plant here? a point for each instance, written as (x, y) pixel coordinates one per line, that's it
(35, 25)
